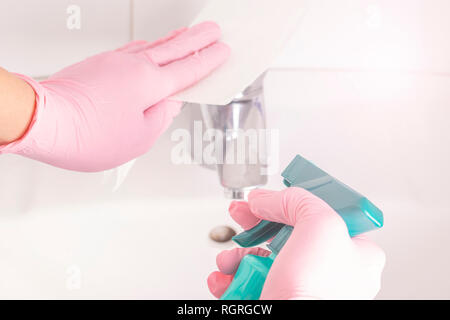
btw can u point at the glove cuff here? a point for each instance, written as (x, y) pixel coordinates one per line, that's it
(26, 141)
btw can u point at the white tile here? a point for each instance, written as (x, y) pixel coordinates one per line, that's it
(401, 34)
(384, 133)
(37, 41)
(155, 18)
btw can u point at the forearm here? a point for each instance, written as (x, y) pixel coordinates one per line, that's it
(17, 103)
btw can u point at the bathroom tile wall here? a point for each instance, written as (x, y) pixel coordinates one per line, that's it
(383, 34)
(155, 18)
(40, 37)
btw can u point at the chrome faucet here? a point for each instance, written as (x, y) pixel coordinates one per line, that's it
(241, 153)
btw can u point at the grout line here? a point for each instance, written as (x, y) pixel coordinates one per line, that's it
(362, 70)
(341, 70)
(131, 20)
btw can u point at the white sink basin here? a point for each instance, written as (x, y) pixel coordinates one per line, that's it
(68, 235)
(120, 249)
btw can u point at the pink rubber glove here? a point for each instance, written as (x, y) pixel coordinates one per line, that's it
(110, 108)
(319, 261)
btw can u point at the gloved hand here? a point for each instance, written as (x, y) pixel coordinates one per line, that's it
(110, 108)
(319, 260)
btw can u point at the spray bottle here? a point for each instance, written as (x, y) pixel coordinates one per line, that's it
(359, 214)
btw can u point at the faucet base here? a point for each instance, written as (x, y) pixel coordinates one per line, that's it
(237, 194)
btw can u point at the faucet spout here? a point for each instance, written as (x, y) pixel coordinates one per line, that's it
(241, 155)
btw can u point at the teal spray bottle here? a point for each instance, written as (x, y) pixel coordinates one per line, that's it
(359, 214)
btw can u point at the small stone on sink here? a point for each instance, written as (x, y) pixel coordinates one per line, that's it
(222, 233)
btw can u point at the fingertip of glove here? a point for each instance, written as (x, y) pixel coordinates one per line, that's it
(207, 25)
(222, 261)
(241, 213)
(218, 283)
(224, 49)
